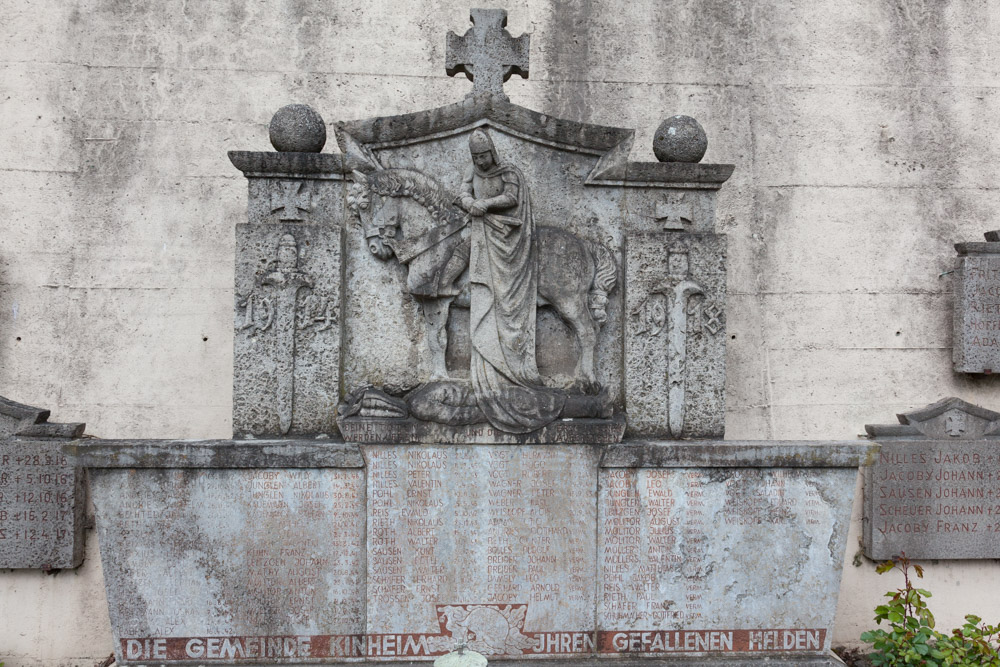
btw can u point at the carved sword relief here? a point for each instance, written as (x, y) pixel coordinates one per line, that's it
(666, 309)
(287, 281)
(283, 304)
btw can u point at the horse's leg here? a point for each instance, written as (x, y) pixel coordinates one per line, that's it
(564, 281)
(573, 309)
(436, 320)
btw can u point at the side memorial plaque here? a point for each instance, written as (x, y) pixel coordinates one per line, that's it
(42, 491)
(935, 499)
(933, 491)
(977, 307)
(488, 546)
(706, 561)
(232, 565)
(41, 506)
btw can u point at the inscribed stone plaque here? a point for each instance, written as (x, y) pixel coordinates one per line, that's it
(977, 308)
(934, 489)
(934, 499)
(720, 560)
(237, 564)
(491, 546)
(41, 506)
(675, 334)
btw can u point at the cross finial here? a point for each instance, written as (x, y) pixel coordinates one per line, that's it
(487, 53)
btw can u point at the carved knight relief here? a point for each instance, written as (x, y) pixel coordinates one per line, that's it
(481, 247)
(491, 244)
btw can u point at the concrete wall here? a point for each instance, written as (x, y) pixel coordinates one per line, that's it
(862, 130)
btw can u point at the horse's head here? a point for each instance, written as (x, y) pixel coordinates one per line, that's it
(397, 207)
(376, 215)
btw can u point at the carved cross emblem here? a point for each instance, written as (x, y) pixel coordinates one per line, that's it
(291, 198)
(487, 53)
(954, 424)
(674, 213)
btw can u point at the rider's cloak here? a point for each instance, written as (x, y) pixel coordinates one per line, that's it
(503, 277)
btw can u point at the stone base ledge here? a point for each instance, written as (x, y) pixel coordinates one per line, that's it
(214, 454)
(301, 453)
(739, 454)
(776, 660)
(363, 430)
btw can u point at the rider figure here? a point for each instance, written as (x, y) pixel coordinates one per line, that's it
(489, 193)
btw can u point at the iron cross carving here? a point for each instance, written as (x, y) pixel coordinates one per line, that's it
(487, 53)
(293, 199)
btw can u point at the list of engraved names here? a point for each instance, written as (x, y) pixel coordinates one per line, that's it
(498, 526)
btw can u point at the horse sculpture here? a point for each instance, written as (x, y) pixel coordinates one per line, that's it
(408, 214)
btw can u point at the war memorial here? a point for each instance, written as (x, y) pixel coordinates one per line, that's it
(479, 398)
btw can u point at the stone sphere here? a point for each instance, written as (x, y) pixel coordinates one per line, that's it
(297, 128)
(680, 139)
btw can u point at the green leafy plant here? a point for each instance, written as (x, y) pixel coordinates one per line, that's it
(910, 638)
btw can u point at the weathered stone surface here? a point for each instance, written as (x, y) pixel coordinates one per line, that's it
(499, 547)
(288, 322)
(933, 491)
(976, 343)
(17, 416)
(793, 104)
(720, 559)
(284, 453)
(680, 139)
(20, 419)
(738, 453)
(416, 198)
(42, 503)
(491, 546)
(675, 334)
(301, 199)
(933, 499)
(287, 329)
(232, 565)
(297, 128)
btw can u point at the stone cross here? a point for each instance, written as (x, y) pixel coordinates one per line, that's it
(487, 53)
(292, 200)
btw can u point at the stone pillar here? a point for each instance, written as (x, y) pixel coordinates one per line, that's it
(289, 277)
(675, 303)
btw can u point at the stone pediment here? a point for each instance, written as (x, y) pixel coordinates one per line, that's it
(610, 145)
(946, 419)
(26, 420)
